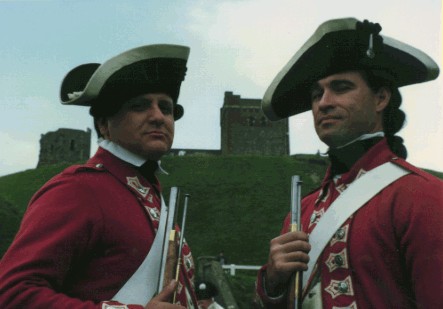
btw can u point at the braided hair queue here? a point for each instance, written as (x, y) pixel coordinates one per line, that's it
(393, 117)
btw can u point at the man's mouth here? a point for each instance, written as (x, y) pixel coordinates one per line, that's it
(156, 133)
(327, 119)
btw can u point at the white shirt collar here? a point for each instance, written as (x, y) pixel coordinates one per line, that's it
(125, 155)
(363, 137)
(360, 138)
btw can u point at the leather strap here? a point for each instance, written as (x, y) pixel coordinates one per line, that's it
(143, 284)
(355, 196)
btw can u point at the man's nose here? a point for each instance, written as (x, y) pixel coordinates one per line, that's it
(326, 101)
(155, 114)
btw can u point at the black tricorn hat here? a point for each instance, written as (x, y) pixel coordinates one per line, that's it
(105, 87)
(336, 46)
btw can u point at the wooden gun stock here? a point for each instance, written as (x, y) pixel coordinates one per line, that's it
(169, 250)
(171, 259)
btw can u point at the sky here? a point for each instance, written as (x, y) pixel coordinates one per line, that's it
(236, 45)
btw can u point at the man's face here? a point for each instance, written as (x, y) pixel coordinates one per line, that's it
(144, 125)
(344, 108)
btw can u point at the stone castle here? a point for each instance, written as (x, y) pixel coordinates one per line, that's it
(244, 131)
(64, 146)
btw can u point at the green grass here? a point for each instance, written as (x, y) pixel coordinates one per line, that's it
(15, 192)
(237, 202)
(9, 222)
(242, 286)
(18, 188)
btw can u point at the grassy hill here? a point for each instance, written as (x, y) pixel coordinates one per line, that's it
(237, 202)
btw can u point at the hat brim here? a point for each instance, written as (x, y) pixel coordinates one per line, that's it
(83, 85)
(333, 49)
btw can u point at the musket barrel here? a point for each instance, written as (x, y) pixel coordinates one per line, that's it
(182, 227)
(295, 291)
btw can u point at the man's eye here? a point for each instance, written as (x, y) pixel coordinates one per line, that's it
(316, 95)
(166, 108)
(342, 87)
(138, 106)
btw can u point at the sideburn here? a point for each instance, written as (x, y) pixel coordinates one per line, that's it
(101, 126)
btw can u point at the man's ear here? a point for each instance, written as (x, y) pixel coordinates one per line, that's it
(383, 98)
(102, 125)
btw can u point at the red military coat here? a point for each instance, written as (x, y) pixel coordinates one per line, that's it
(389, 254)
(83, 235)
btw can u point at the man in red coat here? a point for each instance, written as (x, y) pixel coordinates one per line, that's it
(389, 252)
(88, 230)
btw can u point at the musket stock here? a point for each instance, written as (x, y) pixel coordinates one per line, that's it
(295, 287)
(182, 234)
(169, 253)
(171, 258)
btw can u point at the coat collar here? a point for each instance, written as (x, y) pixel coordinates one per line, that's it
(375, 156)
(125, 172)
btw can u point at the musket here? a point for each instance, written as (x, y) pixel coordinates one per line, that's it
(169, 256)
(182, 233)
(295, 288)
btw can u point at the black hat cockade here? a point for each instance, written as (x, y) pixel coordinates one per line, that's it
(341, 45)
(205, 290)
(146, 69)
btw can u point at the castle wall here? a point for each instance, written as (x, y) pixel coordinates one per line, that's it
(64, 145)
(246, 130)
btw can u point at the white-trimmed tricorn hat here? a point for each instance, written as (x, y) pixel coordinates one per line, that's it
(340, 45)
(105, 87)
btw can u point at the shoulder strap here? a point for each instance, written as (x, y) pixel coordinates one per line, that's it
(143, 284)
(355, 196)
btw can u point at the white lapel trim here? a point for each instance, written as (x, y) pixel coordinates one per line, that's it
(143, 284)
(355, 196)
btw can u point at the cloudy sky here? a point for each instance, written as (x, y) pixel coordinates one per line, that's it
(236, 45)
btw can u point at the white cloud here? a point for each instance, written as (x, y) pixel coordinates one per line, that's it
(17, 154)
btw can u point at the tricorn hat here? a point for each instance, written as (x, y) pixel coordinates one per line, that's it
(336, 46)
(105, 87)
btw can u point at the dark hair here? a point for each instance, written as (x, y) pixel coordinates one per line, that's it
(393, 117)
(96, 127)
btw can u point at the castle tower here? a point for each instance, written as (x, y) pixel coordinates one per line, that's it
(64, 145)
(246, 130)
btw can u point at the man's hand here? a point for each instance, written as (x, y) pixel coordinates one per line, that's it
(161, 301)
(288, 253)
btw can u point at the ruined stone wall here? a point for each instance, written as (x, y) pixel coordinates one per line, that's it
(246, 130)
(64, 146)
